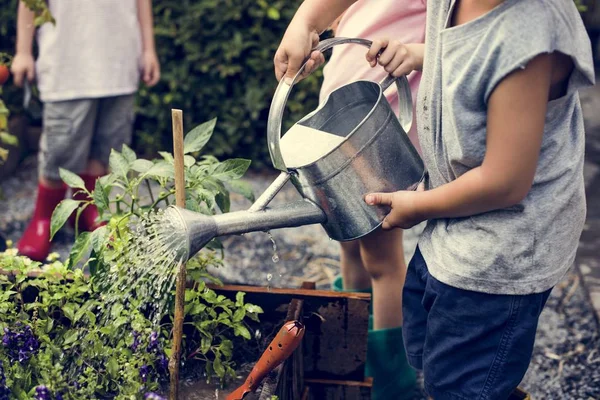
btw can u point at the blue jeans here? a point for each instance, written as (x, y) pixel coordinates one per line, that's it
(470, 345)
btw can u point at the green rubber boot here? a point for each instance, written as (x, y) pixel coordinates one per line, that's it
(393, 377)
(338, 286)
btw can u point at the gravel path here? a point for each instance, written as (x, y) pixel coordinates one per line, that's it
(566, 361)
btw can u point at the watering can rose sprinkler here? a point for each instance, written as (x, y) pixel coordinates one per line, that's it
(374, 154)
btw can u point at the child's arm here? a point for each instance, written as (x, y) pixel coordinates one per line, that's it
(302, 35)
(23, 64)
(150, 64)
(397, 58)
(515, 126)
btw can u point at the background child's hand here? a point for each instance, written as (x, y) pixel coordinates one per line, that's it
(150, 68)
(294, 49)
(404, 214)
(23, 67)
(397, 58)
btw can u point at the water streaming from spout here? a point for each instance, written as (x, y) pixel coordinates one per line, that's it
(275, 257)
(144, 271)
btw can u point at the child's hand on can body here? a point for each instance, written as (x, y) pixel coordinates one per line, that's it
(404, 214)
(293, 50)
(397, 58)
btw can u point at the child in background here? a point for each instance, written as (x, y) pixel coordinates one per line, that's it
(376, 263)
(87, 71)
(501, 131)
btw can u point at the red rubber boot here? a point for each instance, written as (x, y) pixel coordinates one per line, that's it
(88, 220)
(35, 242)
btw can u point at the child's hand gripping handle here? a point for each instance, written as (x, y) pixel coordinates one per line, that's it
(286, 341)
(284, 88)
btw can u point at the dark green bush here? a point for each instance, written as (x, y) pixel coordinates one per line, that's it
(216, 60)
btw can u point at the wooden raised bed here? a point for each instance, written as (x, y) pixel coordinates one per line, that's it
(330, 362)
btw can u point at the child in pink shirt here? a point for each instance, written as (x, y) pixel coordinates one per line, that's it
(376, 262)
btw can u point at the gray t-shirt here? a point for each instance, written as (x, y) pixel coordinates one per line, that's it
(526, 248)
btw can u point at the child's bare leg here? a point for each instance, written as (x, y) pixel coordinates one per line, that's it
(354, 275)
(383, 257)
(50, 183)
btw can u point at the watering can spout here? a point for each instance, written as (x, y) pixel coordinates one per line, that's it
(201, 229)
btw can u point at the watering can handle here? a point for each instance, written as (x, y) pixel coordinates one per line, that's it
(283, 91)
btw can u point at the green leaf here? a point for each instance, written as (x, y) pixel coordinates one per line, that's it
(190, 295)
(80, 248)
(49, 325)
(142, 166)
(116, 310)
(71, 179)
(273, 13)
(241, 330)
(205, 344)
(71, 337)
(120, 321)
(98, 238)
(231, 169)
(242, 187)
(118, 163)
(100, 197)
(218, 366)
(198, 137)
(253, 309)
(112, 366)
(223, 201)
(61, 213)
(166, 156)
(128, 154)
(188, 160)
(239, 299)
(162, 169)
(8, 139)
(69, 311)
(226, 348)
(239, 315)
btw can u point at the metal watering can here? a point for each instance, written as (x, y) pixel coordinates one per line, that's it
(374, 156)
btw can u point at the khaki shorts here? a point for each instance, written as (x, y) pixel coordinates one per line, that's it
(76, 131)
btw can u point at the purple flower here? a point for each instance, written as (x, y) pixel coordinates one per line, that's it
(42, 393)
(136, 340)
(154, 344)
(153, 396)
(20, 344)
(162, 363)
(59, 396)
(144, 371)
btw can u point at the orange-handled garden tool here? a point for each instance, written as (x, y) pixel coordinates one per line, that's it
(286, 341)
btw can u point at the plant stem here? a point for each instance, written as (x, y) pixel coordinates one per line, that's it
(163, 197)
(149, 190)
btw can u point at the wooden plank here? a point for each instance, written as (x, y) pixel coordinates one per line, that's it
(366, 383)
(297, 293)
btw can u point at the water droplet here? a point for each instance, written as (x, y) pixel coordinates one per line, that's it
(275, 258)
(269, 277)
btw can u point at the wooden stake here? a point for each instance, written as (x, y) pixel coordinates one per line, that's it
(174, 362)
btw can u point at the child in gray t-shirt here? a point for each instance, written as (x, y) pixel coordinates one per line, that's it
(501, 129)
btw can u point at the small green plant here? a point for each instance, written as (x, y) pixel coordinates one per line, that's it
(53, 340)
(5, 137)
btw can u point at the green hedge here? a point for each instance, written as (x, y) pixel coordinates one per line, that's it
(216, 61)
